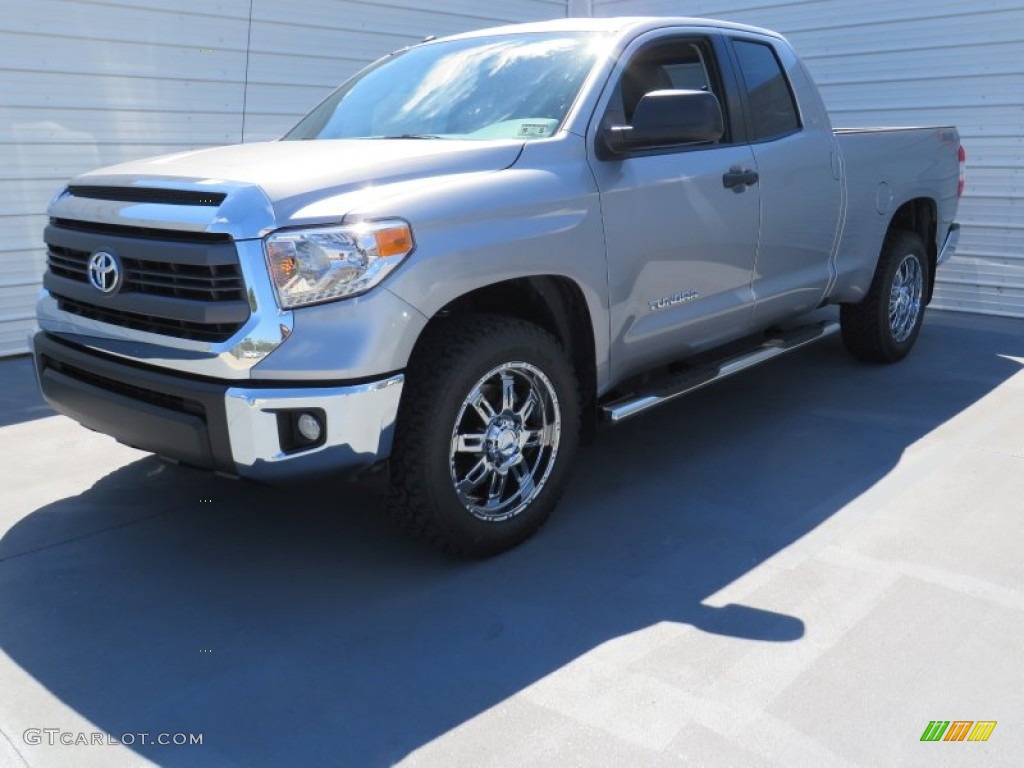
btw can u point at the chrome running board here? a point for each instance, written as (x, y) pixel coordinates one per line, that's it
(680, 384)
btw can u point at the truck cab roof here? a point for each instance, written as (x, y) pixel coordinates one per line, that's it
(633, 25)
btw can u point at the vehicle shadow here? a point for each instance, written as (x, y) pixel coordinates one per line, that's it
(19, 394)
(291, 626)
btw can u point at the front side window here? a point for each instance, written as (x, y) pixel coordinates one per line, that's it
(666, 65)
(772, 108)
(499, 87)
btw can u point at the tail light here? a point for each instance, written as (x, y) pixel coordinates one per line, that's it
(962, 154)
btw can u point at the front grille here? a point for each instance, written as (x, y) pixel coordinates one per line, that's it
(182, 329)
(198, 282)
(160, 399)
(183, 284)
(147, 195)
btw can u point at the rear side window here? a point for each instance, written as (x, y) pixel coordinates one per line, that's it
(772, 108)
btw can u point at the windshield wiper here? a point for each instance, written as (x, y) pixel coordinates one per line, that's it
(409, 136)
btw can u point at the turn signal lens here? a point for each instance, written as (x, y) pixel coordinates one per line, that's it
(396, 241)
(283, 263)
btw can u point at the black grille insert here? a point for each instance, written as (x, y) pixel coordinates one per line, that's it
(148, 195)
(160, 399)
(182, 329)
(197, 282)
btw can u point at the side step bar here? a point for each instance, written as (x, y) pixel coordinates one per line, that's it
(689, 381)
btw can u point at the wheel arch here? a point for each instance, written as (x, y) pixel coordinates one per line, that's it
(920, 216)
(555, 303)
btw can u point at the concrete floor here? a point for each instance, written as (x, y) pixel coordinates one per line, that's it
(801, 566)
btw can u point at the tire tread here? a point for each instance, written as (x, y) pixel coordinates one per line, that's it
(447, 348)
(864, 326)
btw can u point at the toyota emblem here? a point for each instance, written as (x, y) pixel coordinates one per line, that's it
(104, 272)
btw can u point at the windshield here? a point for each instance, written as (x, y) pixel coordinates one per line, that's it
(501, 87)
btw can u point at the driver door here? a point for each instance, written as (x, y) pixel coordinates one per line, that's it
(680, 243)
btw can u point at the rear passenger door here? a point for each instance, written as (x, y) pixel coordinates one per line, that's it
(799, 179)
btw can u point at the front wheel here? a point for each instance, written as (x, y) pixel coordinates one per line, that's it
(884, 326)
(487, 431)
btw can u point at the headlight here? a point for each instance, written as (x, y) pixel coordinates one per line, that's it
(313, 265)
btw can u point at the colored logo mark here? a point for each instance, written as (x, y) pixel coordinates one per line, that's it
(958, 730)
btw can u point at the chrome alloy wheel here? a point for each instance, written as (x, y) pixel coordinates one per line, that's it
(505, 441)
(905, 298)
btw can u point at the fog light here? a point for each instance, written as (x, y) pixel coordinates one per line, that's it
(301, 429)
(309, 427)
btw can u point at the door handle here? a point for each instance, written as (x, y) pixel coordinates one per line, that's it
(738, 179)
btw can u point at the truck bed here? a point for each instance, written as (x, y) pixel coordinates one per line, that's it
(885, 168)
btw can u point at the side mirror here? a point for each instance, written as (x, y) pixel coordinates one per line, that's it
(663, 118)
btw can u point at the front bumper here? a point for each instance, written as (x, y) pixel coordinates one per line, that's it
(208, 424)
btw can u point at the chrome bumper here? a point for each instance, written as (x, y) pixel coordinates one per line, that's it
(360, 424)
(949, 247)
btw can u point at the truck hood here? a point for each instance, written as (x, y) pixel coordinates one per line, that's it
(286, 179)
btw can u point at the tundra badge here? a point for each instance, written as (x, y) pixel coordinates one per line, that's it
(671, 301)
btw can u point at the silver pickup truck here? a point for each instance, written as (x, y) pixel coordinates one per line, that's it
(477, 248)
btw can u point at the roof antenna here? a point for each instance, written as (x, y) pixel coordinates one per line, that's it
(428, 38)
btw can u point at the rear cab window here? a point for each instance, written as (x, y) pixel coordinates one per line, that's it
(771, 106)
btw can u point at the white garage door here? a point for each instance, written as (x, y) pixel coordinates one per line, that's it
(93, 83)
(918, 62)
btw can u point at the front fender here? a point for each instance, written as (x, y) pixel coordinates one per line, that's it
(540, 217)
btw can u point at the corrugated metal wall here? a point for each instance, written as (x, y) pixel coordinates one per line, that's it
(918, 62)
(92, 83)
(88, 84)
(302, 49)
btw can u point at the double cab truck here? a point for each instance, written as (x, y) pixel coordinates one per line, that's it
(477, 248)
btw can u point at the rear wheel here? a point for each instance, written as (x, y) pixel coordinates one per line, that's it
(884, 326)
(486, 434)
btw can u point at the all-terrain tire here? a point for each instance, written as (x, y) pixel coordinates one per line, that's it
(884, 326)
(475, 468)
